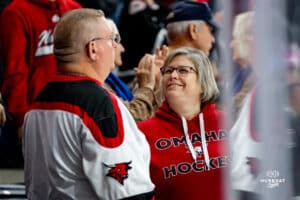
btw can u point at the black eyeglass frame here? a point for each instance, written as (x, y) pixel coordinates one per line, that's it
(180, 70)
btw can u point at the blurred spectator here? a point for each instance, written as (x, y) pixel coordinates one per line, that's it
(293, 32)
(245, 140)
(294, 98)
(113, 81)
(111, 8)
(242, 45)
(26, 41)
(293, 17)
(140, 22)
(107, 6)
(80, 141)
(142, 103)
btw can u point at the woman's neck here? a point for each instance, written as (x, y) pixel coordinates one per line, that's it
(186, 109)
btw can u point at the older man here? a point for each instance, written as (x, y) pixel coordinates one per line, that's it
(80, 141)
(191, 24)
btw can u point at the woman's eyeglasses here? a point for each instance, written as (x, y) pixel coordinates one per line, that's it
(181, 70)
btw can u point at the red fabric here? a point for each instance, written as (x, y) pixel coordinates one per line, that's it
(172, 168)
(22, 24)
(88, 121)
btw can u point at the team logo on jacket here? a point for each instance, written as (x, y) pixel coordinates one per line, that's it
(118, 171)
(45, 44)
(55, 18)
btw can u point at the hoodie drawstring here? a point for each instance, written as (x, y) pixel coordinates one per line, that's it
(188, 141)
(203, 140)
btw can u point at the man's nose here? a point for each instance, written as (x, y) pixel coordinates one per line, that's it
(213, 40)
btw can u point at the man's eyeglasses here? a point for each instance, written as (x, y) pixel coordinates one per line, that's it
(114, 38)
(181, 70)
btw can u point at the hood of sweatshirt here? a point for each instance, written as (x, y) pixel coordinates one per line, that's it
(165, 112)
(207, 114)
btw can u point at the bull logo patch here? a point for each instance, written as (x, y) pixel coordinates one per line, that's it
(118, 171)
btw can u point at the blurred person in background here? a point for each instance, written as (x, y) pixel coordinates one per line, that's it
(293, 32)
(143, 101)
(187, 135)
(26, 47)
(28, 25)
(294, 114)
(140, 22)
(111, 8)
(245, 140)
(242, 45)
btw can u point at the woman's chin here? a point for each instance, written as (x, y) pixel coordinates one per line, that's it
(173, 94)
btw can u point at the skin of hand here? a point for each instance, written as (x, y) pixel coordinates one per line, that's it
(2, 115)
(145, 72)
(160, 56)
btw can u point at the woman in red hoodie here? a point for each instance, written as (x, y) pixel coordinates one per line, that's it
(186, 135)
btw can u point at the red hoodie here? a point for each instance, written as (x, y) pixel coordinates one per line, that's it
(173, 170)
(26, 45)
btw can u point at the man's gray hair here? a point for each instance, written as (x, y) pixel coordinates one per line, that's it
(176, 28)
(204, 68)
(73, 31)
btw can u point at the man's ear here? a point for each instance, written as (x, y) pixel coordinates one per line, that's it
(193, 30)
(91, 50)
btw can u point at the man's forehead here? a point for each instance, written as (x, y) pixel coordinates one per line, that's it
(209, 27)
(101, 24)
